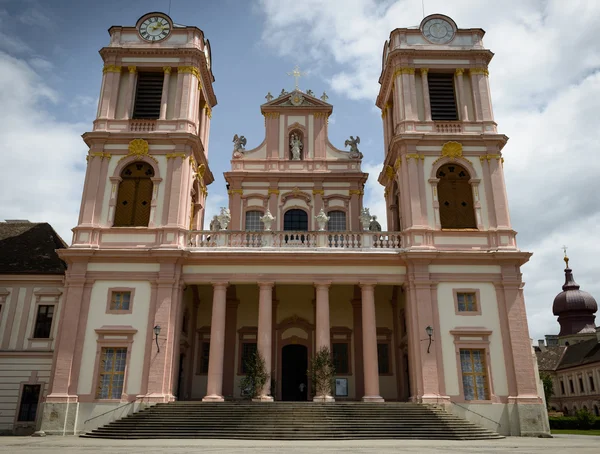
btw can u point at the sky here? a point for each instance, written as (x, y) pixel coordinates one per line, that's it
(545, 83)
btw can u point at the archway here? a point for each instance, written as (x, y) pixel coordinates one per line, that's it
(294, 365)
(134, 196)
(455, 197)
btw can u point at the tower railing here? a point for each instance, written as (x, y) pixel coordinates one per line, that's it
(343, 240)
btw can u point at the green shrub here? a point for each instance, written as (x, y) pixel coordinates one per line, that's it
(322, 372)
(585, 419)
(256, 376)
(572, 423)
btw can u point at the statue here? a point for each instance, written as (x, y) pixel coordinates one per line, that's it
(365, 218)
(374, 226)
(214, 224)
(238, 146)
(269, 97)
(224, 218)
(310, 93)
(296, 145)
(322, 220)
(283, 93)
(354, 153)
(324, 97)
(267, 220)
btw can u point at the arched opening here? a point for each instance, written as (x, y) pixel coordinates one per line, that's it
(295, 219)
(134, 196)
(596, 410)
(396, 218)
(455, 197)
(296, 141)
(566, 411)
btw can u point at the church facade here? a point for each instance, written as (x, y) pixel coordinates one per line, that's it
(427, 309)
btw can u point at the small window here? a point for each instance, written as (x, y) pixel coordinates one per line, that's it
(112, 373)
(337, 221)
(204, 357)
(148, 95)
(467, 302)
(120, 301)
(29, 403)
(562, 388)
(295, 220)
(442, 97)
(592, 384)
(474, 374)
(248, 349)
(340, 353)
(581, 390)
(253, 222)
(43, 322)
(571, 386)
(383, 358)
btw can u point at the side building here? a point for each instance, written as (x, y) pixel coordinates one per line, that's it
(31, 295)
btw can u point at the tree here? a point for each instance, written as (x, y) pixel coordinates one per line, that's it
(548, 387)
(322, 372)
(256, 377)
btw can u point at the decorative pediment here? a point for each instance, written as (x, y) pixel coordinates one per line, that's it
(296, 98)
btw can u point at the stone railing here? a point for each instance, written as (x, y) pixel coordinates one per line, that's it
(142, 125)
(293, 239)
(448, 127)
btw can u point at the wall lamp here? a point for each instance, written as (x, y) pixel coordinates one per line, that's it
(156, 333)
(429, 331)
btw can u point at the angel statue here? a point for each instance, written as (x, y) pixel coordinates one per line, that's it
(296, 145)
(354, 153)
(238, 146)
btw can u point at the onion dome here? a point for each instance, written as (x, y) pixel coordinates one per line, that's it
(574, 307)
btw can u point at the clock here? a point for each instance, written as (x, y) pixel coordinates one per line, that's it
(155, 28)
(438, 31)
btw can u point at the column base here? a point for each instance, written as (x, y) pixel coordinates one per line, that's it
(213, 398)
(263, 399)
(373, 399)
(323, 399)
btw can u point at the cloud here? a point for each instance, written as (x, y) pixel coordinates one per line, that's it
(545, 85)
(45, 156)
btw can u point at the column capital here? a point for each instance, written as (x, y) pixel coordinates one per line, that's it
(270, 284)
(167, 69)
(424, 71)
(367, 284)
(321, 284)
(218, 284)
(132, 69)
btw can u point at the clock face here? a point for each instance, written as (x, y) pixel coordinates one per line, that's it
(438, 31)
(155, 28)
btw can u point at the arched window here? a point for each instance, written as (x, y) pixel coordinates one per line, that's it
(135, 196)
(596, 410)
(566, 411)
(295, 220)
(455, 198)
(337, 221)
(253, 222)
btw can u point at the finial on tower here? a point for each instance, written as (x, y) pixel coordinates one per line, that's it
(566, 259)
(296, 74)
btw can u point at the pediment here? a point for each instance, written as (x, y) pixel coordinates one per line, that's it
(296, 98)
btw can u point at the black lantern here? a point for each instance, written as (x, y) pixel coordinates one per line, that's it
(156, 333)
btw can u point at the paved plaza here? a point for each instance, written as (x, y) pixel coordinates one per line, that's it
(63, 445)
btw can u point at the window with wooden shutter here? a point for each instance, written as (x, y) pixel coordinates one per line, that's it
(135, 196)
(441, 97)
(148, 95)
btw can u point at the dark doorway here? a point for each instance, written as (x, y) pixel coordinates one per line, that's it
(179, 393)
(294, 383)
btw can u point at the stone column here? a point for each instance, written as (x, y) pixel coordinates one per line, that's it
(165, 93)
(322, 335)
(426, 101)
(129, 94)
(265, 334)
(214, 388)
(369, 327)
(462, 105)
(357, 343)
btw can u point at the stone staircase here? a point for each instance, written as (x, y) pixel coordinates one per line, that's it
(293, 421)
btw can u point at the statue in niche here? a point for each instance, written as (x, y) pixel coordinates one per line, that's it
(238, 146)
(354, 153)
(296, 145)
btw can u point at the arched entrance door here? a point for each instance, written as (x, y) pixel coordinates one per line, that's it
(294, 363)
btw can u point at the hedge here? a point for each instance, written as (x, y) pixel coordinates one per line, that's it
(571, 423)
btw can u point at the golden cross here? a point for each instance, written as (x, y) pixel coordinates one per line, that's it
(566, 259)
(296, 74)
(564, 248)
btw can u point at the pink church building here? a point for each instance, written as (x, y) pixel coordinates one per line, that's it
(428, 309)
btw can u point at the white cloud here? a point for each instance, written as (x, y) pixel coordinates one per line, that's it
(46, 157)
(545, 86)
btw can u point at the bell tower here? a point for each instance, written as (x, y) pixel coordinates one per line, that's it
(443, 176)
(147, 168)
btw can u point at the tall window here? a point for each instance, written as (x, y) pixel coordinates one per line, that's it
(383, 357)
(295, 220)
(337, 221)
(562, 388)
(248, 349)
(119, 301)
(29, 403)
(43, 321)
(135, 196)
(592, 385)
(148, 95)
(474, 374)
(456, 198)
(571, 387)
(203, 357)
(467, 301)
(253, 222)
(581, 390)
(112, 373)
(340, 352)
(442, 97)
